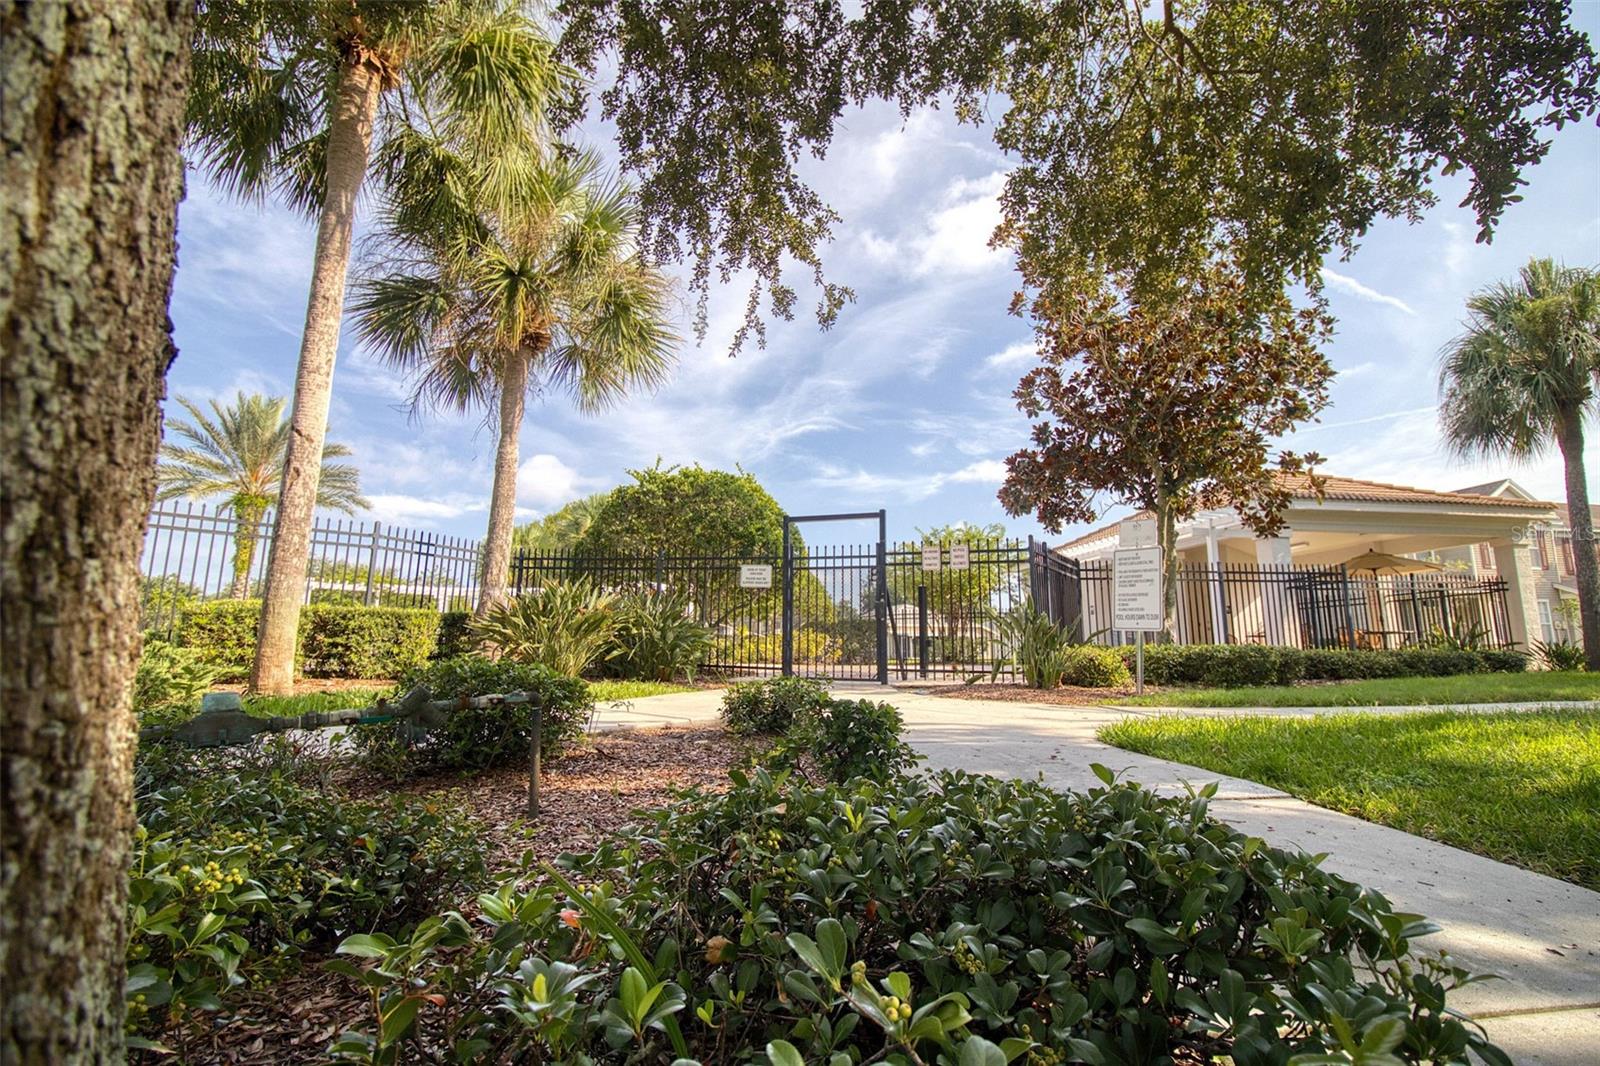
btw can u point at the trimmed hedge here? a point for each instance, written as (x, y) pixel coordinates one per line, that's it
(1239, 665)
(335, 641)
(1088, 666)
(455, 635)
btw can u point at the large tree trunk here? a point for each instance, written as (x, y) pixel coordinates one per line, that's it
(92, 121)
(349, 144)
(1585, 564)
(503, 501)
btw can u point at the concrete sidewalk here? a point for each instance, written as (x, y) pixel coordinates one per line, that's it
(1541, 934)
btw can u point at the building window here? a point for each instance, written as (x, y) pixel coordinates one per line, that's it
(1546, 623)
(1564, 547)
(1539, 550)
(1485, 557)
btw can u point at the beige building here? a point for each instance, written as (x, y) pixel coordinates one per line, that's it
(1550, 555)
(1296, 588)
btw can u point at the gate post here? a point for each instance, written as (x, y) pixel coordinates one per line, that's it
(367, 597)
(883, 598)
(922, 631)
(788, 600)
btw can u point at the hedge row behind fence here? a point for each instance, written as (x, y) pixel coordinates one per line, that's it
(1232, 665)
(335, 641)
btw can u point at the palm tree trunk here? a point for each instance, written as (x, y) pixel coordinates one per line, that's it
(1581, 521)
(246, 533)
(349, 143)
(91, 127)
(503, 500)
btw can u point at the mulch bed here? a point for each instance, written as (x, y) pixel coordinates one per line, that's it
(589, 793)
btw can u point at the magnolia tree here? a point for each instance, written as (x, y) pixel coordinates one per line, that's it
(1170, 406)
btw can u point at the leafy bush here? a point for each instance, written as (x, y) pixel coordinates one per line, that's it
(1088, 666)
(766, 649)
(847, 739)
(334, 641)
(565, 625)
(480, 737)
(657, 637)
(169, 682)
(366, 641)
(1558, 654)
(455, 635)
(773, 705)
(235, 863)
(162, 600)
(955, 920)
(1034, 646)
(1234, 665)
(1457, 636)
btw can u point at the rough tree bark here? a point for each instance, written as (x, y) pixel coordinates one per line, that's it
(92, 123)
(503, 501)
(1569, 436)
(349, 144)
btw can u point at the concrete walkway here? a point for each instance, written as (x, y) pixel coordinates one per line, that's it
(1541, 934)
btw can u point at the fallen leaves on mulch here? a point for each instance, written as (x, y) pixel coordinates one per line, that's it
(589, 793)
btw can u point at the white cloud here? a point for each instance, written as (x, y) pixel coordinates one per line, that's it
(984, 471)
(1012, 355)
(545, 482)
(402, 509)
(957, 238)
(1350, 285)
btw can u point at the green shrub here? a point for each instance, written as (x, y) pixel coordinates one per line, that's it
(334, 641)
(169, 683)
(223, 633)
(1088, 666)
(935, 921)
(565, 625)
(235, 864)
(455, 635)
(366, 641)
(847, 739)
(657, 637)
(766, 649)
(480, 737)
(1238, 665)
(773, 705)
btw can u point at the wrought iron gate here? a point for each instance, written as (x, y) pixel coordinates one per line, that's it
(835, 604)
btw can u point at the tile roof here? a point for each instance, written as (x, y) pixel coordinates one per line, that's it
(1355, 490)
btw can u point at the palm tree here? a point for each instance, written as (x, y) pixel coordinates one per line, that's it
(290, 99)
(1523, 375)
(497, 296)
(560, 529)
(237, 453)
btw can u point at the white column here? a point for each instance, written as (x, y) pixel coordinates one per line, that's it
(1214, 559)
(1515, 564)
(1273, 557)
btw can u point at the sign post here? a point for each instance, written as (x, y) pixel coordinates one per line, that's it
(1136, 602)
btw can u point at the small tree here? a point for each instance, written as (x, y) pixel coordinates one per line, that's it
(238, 454)
(1171, 407)
(953, 594)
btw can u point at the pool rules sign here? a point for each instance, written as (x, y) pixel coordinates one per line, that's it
(1136, 587)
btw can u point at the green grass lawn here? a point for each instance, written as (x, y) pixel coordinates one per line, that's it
(633, 690)
(1521, 787)
(1533, 687)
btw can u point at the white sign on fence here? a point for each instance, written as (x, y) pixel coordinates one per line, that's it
(755, 576)
(931, 558)
(1136, 590)
(960, 557)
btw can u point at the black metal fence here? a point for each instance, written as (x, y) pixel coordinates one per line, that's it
(1310, 606)
(934, 613)
(194, 553)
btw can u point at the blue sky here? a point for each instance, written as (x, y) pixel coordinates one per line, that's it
(905, 403)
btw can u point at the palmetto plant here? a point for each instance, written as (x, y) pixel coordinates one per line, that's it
(1034, 645)
(565, 625)
(1525, 374)
(291, 99)
(237, 453)
(526, 283)
(658, 637)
